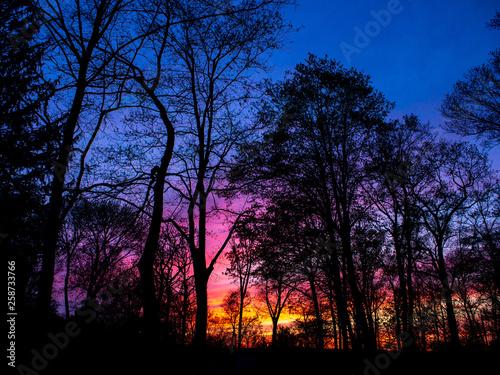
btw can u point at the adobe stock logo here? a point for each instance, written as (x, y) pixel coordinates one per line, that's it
(363, 37)
(31, 27)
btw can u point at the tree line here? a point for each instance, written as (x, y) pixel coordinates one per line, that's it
(131, 129)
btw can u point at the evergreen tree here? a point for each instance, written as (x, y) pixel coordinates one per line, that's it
(26, 143)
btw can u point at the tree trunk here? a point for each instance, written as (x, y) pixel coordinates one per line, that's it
(408, 229)
(146, 263)
(240, 322)
(201, 274)
(56, 197)
(450, 312)
(334, 321)
(320, 344)
(200, 282)
(184, 309)
(168, 308)
(411, 293)
(54, 219)
(367, 338)
(66, 282)
(341, 303)
(402, 280)
(275, 332)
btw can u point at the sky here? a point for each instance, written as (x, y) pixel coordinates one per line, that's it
(414, 57)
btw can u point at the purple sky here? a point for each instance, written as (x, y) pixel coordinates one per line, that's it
(425, 47)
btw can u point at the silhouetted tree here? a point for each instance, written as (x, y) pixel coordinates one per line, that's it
(472, 108)
(482, 238)
(72, 236)
(241, 326)
(276, 274)
(201, 57)
(452, 173)
(80, 33)
(174, 283)
(103, 235)
(215, 59)
(323, 119)
(392, 158)
(243, 257)
(27, 146)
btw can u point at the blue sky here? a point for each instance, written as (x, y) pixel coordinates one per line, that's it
(414, 59)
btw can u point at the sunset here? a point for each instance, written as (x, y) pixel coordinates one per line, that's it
(251, 186)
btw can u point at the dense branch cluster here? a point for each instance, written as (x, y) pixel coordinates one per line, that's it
(138, 144)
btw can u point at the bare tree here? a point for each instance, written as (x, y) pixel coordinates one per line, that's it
(71, 238)
(393, 158)
(472, 108)
(243, 258)
(197, 56)
(451, 174)
(241, 327)
(173, 283)
(77, 34)
(216, 59)
(100, 237)
(337, 111)
(275, 289)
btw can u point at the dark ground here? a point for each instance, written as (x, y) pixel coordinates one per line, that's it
(119, 354)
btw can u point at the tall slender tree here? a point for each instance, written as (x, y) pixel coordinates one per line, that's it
(77, 42)
(201, 61)
(216, 59)
(242, 256)
(452, 172)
